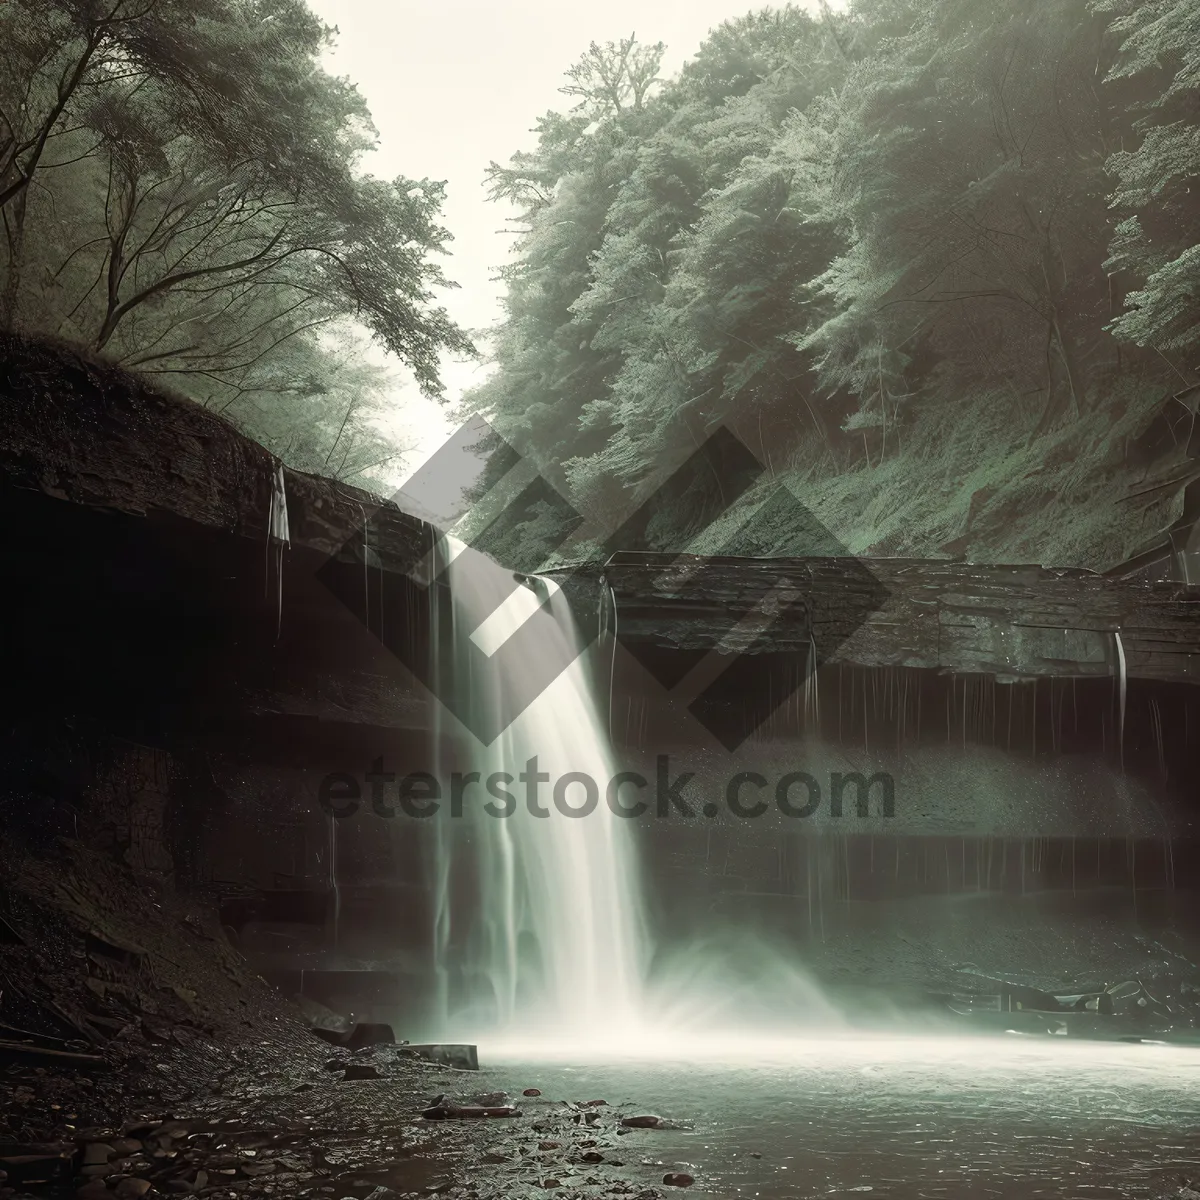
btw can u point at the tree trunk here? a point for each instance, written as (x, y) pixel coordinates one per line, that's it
(1067, 354)
(14, 229)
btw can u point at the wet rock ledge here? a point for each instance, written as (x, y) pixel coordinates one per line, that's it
(1010, 622)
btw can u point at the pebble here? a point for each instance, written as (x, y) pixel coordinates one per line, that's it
(678, 1179)
(132, 1189)
(532, 1092)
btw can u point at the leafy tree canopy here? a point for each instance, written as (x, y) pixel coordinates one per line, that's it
(180, 189)
(828, 226)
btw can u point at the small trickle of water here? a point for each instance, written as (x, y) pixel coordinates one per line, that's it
(335, 884)
(812, 693)
(1122, 685)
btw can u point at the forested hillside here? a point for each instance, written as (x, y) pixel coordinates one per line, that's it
(935, 262)
(181, 193)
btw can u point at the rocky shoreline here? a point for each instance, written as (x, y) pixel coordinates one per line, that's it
(140, 1056)
(373, 1124)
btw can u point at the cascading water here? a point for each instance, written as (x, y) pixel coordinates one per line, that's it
(538, 914)
(539, 933)
(537, 917)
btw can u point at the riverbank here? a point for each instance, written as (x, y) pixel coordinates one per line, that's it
(156, 1062)
(144, 1058)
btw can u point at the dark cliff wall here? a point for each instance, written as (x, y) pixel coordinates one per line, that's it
(177, 683)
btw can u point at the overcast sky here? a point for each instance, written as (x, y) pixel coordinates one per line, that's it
(456, 84)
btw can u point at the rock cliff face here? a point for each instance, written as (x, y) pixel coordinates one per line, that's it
(1008, 622)
(179, 681)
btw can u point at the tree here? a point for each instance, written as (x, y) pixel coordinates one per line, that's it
(969, 173)
(180, 190)
(743, 53)
(1156, 244)
(604, 355)
(694, 283)
(830, 229)
(263, 195)
(614, 77)
(564, 192)
(346, 399)
(231, 73)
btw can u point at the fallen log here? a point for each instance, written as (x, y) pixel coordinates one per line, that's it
(27, 1051)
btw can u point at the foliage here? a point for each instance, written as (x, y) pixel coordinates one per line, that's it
(180, 189)
(1157, 242)
(829, 230)
(614, 352)
(612, 78)
(969, 166)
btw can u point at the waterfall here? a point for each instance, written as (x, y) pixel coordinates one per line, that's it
(537, 920)
(537, 916)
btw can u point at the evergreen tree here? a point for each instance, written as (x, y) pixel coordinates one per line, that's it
(1156, 245)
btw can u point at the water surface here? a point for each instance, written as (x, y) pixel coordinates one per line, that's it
(902, 1118)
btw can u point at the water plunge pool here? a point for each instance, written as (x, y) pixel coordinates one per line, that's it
(905, 1118)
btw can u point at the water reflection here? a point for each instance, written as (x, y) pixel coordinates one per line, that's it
(907, 1118)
